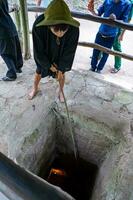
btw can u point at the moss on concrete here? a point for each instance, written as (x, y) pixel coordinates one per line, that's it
(115, 176)
(100, 128)
(31, 139)
(124, 97)
(113, 184)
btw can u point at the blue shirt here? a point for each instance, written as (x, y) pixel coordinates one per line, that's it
(131, 12)
(121, 11)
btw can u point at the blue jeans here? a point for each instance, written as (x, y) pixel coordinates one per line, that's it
(103, 41)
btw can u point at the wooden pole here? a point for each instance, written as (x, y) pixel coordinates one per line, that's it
(18, 24)
(25, 27)
(90, 17)
(106, 50)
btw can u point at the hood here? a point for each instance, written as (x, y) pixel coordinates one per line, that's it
(58, 13)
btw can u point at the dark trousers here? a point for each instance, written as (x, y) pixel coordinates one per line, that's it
(11, 73)
(97, 63)
(10, 51)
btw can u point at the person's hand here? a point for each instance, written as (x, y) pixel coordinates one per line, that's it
(91, 5)
(53, 69)
(112, 16)
(60, 75)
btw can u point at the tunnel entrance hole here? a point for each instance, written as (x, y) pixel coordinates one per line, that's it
(76, 177)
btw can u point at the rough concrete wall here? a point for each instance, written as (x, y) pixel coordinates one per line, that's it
(101, 116)
(115, 179)
(93, 139)
(38, 147)
(27, 127)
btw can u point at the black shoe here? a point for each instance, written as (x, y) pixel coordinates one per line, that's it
(92, 69)
(19, 71)
(6, 78)
(98, 71)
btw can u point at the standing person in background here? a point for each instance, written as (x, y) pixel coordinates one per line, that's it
(55, 39)
(113, 9)
(117, 43)
(10, 50)
(42, 3)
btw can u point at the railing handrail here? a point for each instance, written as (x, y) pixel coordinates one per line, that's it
(106, 50)
(90, 17)
(98, 19)
(85, 16)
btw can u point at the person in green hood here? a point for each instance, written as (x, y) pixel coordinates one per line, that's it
(55, 39)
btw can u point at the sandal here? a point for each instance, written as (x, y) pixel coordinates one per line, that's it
(114, 70)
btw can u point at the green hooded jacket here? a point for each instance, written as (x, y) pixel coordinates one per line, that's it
(46, 49)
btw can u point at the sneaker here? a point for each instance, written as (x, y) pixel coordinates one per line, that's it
(92, 69)
(98, 71)
(18, 70)
(114, 70)
(6, 78)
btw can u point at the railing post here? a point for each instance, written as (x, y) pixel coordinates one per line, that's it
(25, 28)
(18, 24)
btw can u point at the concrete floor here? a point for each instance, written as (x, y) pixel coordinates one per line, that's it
(82, 60)
(14, 104)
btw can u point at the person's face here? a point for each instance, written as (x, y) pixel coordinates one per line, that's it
(116, 1)
(58, 33)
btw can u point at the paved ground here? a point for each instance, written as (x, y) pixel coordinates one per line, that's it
(123, 77)
(82, 59)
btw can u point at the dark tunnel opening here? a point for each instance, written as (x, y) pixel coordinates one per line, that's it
(76, 177)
